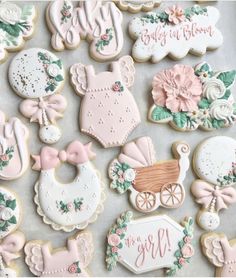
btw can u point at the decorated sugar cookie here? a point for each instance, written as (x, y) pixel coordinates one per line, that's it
(38, 75)
(135, 6)
(10, 247)
(68, 206)
(221, 252)
(96, 21)
(16, 26)
(188, 98)
(14, 155)
(69, 261)
(108, 110)
(175, 32)
(10, 212)
(151, 184)
(150, 243)
(214, 162)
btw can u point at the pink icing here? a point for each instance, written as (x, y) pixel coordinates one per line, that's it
(187, 251)
(113, 239)
(178, 89)
(176, 14)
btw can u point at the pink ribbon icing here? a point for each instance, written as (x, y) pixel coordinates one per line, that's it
(76, 153)
(34, 109)
(205, 192)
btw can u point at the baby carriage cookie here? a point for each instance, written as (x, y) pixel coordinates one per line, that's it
(14, 156)
(147, 244)
(96, 21)
(70, 261)
(108, 110)
(151, 184)
(175, 32)
(38, 75)
(16, 26)
(68, 206)
(201, 98)
(214, 162)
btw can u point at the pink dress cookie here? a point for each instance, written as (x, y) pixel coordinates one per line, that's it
(108, 110)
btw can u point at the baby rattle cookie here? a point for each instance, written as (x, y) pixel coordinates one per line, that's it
(74, 205)
(10, 247)
(70, 261)
(10, 212)
(221, 252)
(175, 32)
(151, 184)
(214, 162)
(14, 155)
(16, 26)
(108, 110)
(150, 243)
(135, 6)
(38, 75)
(201, 98)
(100, 23)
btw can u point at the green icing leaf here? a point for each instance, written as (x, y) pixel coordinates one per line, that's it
(226, 95)
(160, 113)
(12, 220)
(217, 123)
(227, 77)
(203, 103)
(180, 119)
(59, 78)
(11, 204)
(205, 67)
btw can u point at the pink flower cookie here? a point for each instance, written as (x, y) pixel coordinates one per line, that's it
(149, 243)
(69, 261)
(189, 98)
(73, 205)
(175, 32)
(108, 110)
(97, 22)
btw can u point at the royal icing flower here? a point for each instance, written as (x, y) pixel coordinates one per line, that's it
(187, 239)
(129, 175)
(6, 213)
(119, 231)
(72, 268)
(113, 240)
(175, 14)
(221, 109)
(178, 89)
(4, 157)
(70, 206)
(53, 70)
(105, 37)
(187, 251)
(182, 261)
(114, 249)
(213, 89)
(9, 13)
(117, 87)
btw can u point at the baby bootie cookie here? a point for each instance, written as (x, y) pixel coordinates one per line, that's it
(108, 110)
(68, 206)
(38, 75)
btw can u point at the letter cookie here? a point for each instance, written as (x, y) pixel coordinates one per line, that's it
(38, 75)
(214, 162)
(188, 99)
(14, 156)
(151, 184)
(108, 110)
(175, 32)
(10, 247)
(70, 261)
(68, 206)
(221, 252)
(135, 6)
(150, 243)
(16, 26)
(100, 23)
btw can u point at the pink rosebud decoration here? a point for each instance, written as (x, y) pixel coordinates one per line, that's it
(4, 157)
(182, 261)
(114, 249)
(187, 251)
(113, 240)
(70, 206)
(119, 231)
(116, 88)
(72, 268)
(177, 89)
(175, 14)
(187, 239)
(105, 37)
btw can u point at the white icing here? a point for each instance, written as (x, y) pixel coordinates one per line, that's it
(129, 175)
(213, 88)
(9, 13)
(6, 213)
(222, 109)
(8, 272)
(53, 70)
(213, 158)
(208, 221)
(49, 134)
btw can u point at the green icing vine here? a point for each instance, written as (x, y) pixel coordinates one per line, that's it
(104, 40)
(76, 205)
(65, 12)
(10, 204)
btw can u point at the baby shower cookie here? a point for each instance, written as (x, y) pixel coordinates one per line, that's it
(10, 247)
(38, 75)
(73, 205)
(14, 155)
(188, 98)
(108, 110)
(10, 212)
(214, 162)
(175, 32)
(151, 184)
(150, 243)
(16, 26)
(100, 23)
(69, 261)
(221, 252)
(135, 6)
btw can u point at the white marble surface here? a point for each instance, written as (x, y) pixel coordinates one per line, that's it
(162, 135)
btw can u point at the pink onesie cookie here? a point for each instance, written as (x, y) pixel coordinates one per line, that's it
(108, 110)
